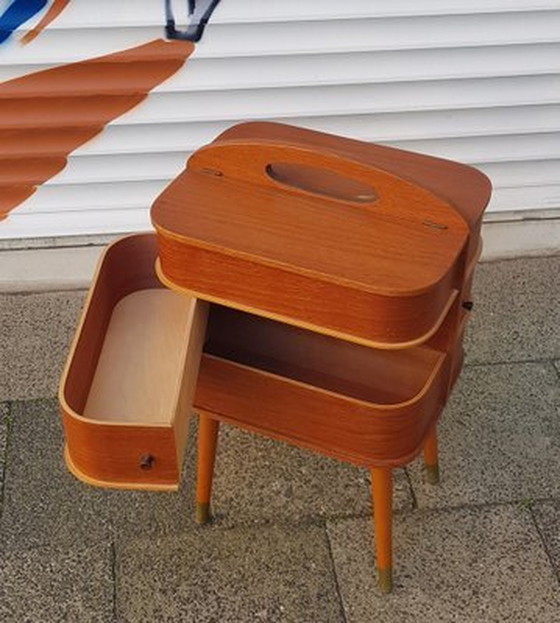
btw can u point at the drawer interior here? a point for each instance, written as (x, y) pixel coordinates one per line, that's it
(380, 376)
(139, 371)
(128, 362)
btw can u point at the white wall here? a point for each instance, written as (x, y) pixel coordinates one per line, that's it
(473, 80)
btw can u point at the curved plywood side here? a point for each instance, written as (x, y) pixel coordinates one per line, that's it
(319, 322)
(359, 404)
(278, 224)
(350, 429)
(127, 388)
(102, 456)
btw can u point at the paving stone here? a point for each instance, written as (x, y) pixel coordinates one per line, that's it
(547, 516)
(4, 414)
(149, 513)
(43, 503)
(52, 585)
(269, 573)
(517, 311)
(36, 333)
(258, 479)
(499, 438)
(464, 566)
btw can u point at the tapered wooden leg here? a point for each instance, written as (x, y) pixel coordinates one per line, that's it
(207, 440)
(382, 484)
(431, 457)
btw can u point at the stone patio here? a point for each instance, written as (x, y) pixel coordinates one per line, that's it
(292, 536)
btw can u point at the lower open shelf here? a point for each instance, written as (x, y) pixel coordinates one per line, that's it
(362, 405)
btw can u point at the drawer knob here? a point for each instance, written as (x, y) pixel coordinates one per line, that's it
(147, 461)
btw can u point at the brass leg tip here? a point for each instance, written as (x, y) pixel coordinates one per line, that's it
(202, 512)
(385, 579)
(432, 474)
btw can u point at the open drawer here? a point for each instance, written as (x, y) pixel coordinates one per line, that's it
(342, 399)
(126, 392)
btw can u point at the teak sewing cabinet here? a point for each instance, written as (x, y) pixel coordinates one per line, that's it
(316, 292)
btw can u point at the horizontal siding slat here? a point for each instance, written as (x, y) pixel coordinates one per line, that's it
(75, 223)
(205, 106)
(127, 167)
(366, 67)
(327, 37)
(141, 194)
(150, 12)
(352, 68)
(384, 127)
(380, 34)
(53, 198)
(522, 174)
(527, 198)
(345, 100)
(504, 199)
(512, 148)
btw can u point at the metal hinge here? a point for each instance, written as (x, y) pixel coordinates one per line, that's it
(200, 12)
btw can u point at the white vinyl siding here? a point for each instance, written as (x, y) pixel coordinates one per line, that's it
(476, 81)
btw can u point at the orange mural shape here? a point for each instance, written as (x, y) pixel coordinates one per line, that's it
(46, 115)
(54, 11)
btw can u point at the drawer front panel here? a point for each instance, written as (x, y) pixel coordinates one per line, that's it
(114, 454)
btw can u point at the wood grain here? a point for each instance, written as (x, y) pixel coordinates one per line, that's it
(467, 189)
(126, 391)
(360, 405)
(350, 314)
(382, 494)
(387, 265)
(138, 374)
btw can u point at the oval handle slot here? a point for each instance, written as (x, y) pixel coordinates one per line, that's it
(321, 182)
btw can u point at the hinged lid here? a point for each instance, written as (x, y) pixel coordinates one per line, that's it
(344, 237)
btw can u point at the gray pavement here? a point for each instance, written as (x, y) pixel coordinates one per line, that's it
(292, 537)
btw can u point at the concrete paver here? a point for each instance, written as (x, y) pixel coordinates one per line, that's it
(36, 332)
(517, 311)
(145, 514)
(465, 565)
(499, 438)
(265, 573)
(258, 479)
(4, 414)
(547, 516)
(52, 585)
(43, 503)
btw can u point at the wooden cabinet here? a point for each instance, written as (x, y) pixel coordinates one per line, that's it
(338, 278)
